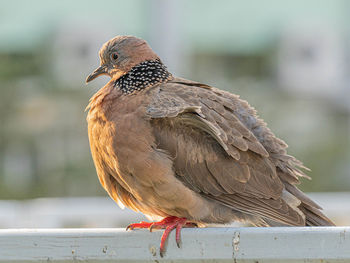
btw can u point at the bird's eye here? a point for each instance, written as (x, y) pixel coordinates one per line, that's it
(114, 56)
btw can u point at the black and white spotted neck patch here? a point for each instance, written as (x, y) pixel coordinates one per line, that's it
(143, 75)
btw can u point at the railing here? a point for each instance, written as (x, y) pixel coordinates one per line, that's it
(283, 244)
(327, 244)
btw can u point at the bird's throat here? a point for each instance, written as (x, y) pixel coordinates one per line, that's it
(145, 74)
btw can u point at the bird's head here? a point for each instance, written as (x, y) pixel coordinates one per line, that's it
(120, 54)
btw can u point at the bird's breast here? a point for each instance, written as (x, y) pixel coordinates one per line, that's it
(120, 138)
(118, 129)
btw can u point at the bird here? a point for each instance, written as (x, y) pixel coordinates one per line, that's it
(188, 153)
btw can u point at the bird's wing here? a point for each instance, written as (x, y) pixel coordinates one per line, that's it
(210, 110)
(214, 152)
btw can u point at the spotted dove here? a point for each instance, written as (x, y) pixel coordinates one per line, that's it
(188, 152)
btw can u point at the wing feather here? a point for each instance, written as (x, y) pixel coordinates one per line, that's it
(215, 153)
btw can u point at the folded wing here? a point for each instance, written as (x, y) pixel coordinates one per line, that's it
(216, 153)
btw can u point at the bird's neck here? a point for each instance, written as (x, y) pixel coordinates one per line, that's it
(144, 75)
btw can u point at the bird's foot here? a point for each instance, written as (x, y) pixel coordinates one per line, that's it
(169, 223)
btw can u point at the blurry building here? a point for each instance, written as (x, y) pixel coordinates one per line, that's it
(288, 59)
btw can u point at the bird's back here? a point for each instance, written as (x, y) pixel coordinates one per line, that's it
(222, 150)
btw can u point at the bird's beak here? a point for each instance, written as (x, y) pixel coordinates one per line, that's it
(97, 72)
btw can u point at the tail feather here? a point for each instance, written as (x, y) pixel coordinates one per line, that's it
(311, 210)
(314, 217)
(300, 195)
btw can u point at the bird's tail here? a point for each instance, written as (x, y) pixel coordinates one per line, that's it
(301, 203)
(311, 210)
(314, 217)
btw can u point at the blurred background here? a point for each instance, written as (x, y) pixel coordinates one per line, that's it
(289, 59)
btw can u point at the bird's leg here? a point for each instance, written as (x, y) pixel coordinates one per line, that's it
(169, 223)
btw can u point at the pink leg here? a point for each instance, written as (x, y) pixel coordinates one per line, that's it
(169, 223)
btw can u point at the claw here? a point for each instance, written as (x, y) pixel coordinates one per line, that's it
(178, 235)
(142, 224)
(161, 253)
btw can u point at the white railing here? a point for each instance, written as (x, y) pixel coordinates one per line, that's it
(289, 244)
(199, 245)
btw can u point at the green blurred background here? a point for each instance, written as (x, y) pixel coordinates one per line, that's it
(289, 59)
